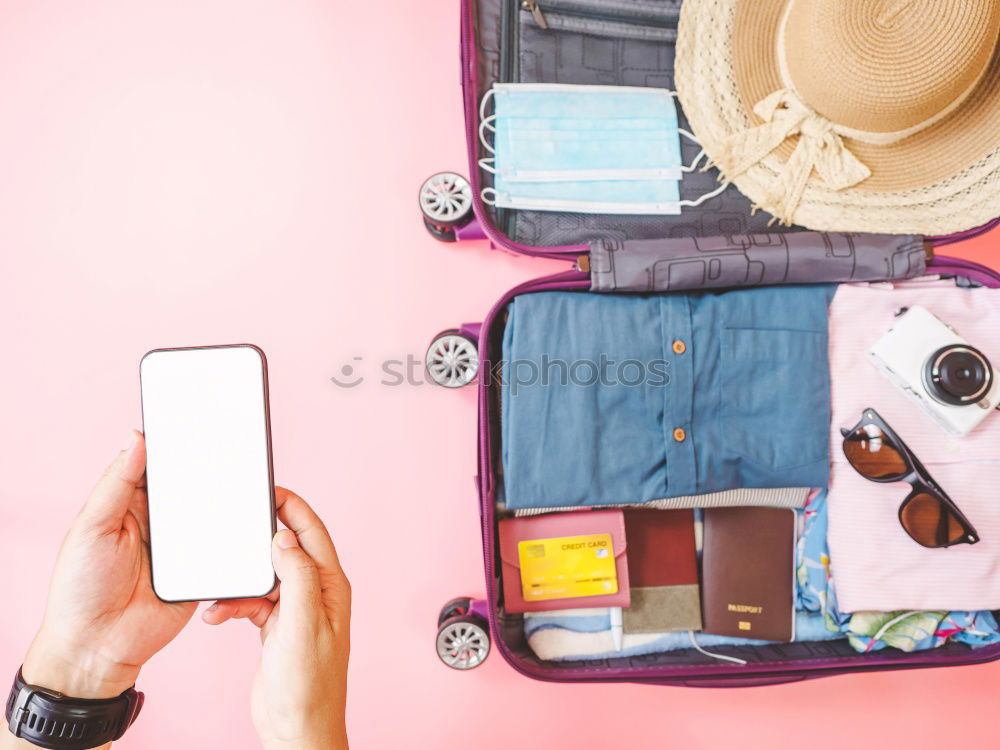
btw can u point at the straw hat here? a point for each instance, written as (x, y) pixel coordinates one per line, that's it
(849, 115)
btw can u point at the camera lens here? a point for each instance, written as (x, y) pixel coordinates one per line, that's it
(958, 375)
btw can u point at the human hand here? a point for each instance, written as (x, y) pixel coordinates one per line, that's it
(102, 620)
(300, 690)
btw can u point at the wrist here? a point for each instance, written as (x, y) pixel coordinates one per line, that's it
(34, 713)
(332, 736)
(337, 741)
(81, 674)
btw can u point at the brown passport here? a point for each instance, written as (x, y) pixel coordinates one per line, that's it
(747, 573)
(662, 571)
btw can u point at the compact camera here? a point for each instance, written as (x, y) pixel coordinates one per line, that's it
(948, 378)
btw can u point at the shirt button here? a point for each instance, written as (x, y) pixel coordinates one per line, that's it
(679, 347)
(679, 434)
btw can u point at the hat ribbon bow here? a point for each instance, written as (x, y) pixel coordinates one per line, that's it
(820, 147)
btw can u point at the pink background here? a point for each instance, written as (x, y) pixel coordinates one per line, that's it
(198, 172)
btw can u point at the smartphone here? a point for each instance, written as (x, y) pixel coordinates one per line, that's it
(209, 473)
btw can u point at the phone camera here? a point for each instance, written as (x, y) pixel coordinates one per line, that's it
(957, 375)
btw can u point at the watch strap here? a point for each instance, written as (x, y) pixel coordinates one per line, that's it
(49, 719)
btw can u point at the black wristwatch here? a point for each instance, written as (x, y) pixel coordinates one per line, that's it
(46, 718)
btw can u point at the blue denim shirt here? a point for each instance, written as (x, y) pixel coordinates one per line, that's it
(610, 399)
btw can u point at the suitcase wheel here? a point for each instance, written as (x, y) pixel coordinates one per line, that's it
(446, 203)
(443, 234)
(452, 359)
(463, 641)
(457, 606)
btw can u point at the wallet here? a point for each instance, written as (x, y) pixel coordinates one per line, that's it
(513, 531)
(663, 571)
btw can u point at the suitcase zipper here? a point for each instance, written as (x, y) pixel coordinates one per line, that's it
(951, 239)
(508, 74)
(536, 11)
(508, 32)
(971, 270)
(640, 16)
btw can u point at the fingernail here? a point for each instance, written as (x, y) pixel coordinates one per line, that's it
(132, 437)
(213, 607)
(286, 539)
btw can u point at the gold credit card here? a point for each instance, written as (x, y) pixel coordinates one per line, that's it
(567, 567)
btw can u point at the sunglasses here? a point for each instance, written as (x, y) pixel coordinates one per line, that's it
(927, 514)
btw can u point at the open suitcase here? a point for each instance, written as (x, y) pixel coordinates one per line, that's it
(611, 42)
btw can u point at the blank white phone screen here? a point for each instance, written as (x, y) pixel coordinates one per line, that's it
(208, 472)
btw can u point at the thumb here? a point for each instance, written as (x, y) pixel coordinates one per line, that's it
(109, 500)
(299, 576)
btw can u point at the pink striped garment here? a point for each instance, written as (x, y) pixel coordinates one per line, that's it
(875, 564)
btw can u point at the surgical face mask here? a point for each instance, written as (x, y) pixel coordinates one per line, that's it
(588, 197)
(586, 149)
(554, 132)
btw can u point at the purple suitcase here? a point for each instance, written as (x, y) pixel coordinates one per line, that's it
(485, 28)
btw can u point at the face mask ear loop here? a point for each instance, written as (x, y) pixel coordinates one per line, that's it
(701, 154)
(694, 164)
(486, 165)
(690, 136)
(483, 125)
(482, 105)
(484, 193)
(721, 657)
(707, 196)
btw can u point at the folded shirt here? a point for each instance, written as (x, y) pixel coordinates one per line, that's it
(906, 630)
(782, 497)
(611, 399)
(878, 566)
(586, 634)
